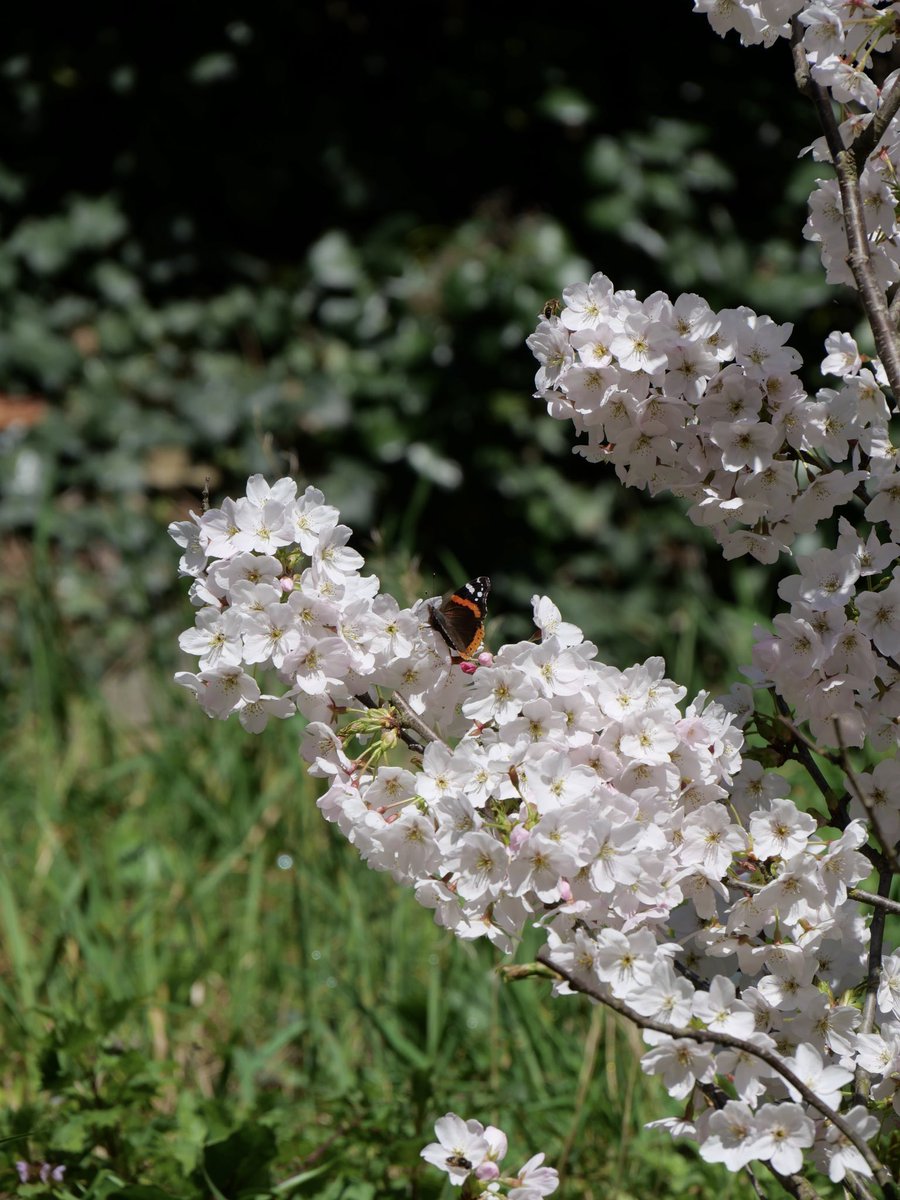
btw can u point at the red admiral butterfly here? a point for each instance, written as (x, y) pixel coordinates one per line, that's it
(459, 618)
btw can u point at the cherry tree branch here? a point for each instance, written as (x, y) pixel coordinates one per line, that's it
(858, 1186)
(804, 750)
(877, 901)
(880, 902)
(846, 167)
(866, 141)
(408, 720)
(883, 1176)
(862, 1079)
(414, 721)
(802, 77)
(888, 851)
(894, 308)
(839, 810)
(796, 1185)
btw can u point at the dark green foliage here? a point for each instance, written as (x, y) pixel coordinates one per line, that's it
(330, 270)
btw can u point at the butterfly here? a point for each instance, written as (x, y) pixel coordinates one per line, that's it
(459, 617)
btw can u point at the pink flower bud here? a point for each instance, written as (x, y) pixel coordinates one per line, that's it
(487, 1171)
(518, 837)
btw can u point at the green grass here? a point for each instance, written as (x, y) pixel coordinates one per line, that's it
(182, 1016)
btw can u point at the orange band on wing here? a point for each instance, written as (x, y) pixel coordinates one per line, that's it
(473, 645)
(470, 604)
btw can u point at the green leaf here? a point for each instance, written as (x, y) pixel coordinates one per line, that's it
(241, 1162)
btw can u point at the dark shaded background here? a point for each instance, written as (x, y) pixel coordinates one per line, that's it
(312, 238)
(261, 128)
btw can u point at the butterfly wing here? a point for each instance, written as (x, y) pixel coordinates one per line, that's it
(459, 618)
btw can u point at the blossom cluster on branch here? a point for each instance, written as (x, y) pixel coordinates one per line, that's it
(550, 788)
(676, 878)
(707, 405)
(735, 433)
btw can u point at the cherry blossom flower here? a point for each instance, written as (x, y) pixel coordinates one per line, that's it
(461, 1147)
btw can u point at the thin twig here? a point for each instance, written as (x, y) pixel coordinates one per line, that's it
(866, 141)
(888, 851)
(846, 168)
(862, 1079)
(802, 76)
(879, 902)
(755, 1184)
(861, 897)
(878, 1169)
(857, 1185)
(803, 738)
(800, 1187)
(805, 749)
(402, 732)
(838, 806)
(414, 721)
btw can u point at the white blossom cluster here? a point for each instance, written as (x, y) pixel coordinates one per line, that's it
(848, 29)
(567, 793)
(579, 793)
(277, 588)
(825, 223)
(468, 1150)
(759, 458)
(706, 405)
(832, 656)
